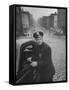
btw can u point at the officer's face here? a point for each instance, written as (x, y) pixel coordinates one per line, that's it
(39, 40)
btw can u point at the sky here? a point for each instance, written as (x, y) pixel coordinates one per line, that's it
(39, 12)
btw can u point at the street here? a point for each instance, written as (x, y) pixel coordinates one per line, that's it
(58, 47)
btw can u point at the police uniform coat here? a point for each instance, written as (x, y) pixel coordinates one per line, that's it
(42, 54)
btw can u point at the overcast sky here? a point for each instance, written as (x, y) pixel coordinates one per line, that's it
(39, 12)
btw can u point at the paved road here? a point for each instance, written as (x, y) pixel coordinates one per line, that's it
(58, 47)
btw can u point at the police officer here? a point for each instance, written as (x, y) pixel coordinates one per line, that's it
(43, 58)
(40, 60)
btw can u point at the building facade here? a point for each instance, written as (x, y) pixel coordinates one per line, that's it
(24, 21)
(62, 19)
(49, 21)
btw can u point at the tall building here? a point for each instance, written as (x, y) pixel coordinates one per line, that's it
(62, 19)
(45, 22)
(24, 21)
(49, 21)
(53, 20)
(27, 21)
(18, 21)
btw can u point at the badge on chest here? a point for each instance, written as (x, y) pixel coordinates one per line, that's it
(40, 55)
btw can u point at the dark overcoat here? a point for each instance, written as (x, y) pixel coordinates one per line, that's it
(45, 69)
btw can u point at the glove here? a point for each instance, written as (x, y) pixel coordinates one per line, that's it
(34, 64)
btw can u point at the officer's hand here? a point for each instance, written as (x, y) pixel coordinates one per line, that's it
(34, 64)
(29, 59)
